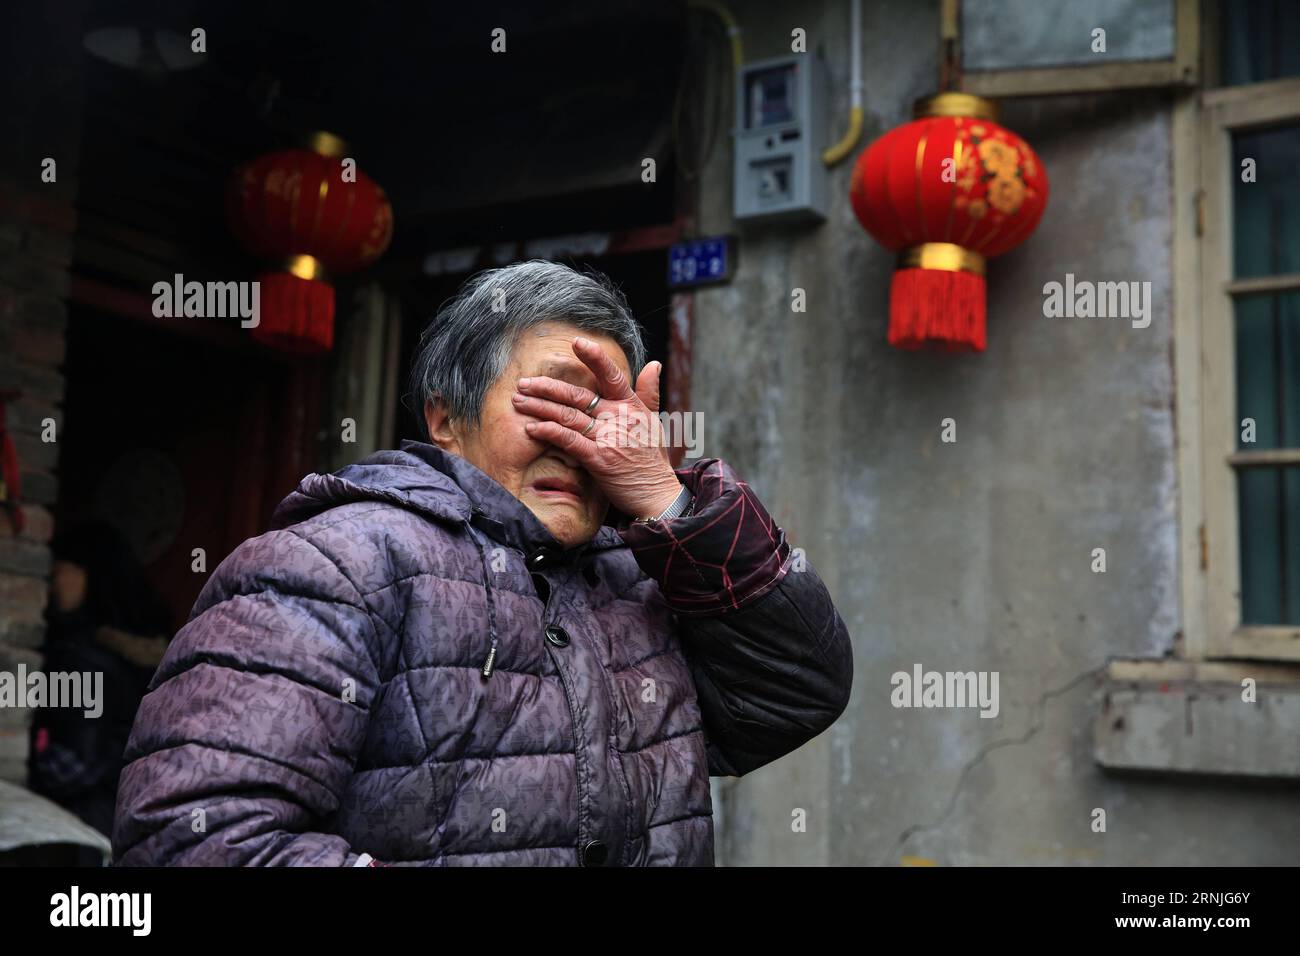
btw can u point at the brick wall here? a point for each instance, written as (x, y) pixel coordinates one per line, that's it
(41, 70)
(35, 255)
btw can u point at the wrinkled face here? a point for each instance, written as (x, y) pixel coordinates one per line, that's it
(551, 484)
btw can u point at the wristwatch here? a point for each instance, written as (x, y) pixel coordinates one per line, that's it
(681, 506)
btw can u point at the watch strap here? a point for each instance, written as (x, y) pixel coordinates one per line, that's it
(681, 506)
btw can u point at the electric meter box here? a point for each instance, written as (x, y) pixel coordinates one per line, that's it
(779, 139)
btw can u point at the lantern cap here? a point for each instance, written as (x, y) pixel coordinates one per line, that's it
(306, 267)
(955, 104)
(327, 144)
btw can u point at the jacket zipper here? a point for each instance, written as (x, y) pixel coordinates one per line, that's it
(571, 697)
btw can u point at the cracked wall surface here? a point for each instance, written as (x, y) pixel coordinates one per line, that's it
(974, 555)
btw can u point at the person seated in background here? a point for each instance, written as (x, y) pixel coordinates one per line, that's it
(103, 617)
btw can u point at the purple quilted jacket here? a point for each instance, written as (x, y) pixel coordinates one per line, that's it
(327, 704)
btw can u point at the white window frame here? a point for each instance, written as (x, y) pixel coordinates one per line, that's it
(1206, 368)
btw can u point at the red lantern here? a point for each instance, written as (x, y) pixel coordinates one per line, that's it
(316, 216)
(946, 191)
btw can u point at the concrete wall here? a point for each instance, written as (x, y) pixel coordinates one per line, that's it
(974, 555)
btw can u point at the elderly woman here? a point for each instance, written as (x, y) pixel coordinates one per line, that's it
(529, 641)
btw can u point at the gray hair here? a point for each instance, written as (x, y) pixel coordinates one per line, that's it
(469, 342)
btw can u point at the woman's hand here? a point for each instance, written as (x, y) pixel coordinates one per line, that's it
(618, 439)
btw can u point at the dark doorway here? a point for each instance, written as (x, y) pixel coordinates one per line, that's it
(177, 442)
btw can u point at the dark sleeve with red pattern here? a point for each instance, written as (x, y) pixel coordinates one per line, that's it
(726, 552)
(770, 656)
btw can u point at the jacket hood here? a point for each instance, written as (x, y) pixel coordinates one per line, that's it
(439, 485)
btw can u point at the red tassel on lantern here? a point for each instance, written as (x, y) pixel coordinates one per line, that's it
(937, 298)
(946, 191)
(297, 308)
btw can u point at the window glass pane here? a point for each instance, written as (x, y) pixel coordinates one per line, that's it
(1018, 34)
(1266, 212)
(1270, 545)
(1261, 40)
(1268, 371)
(1266, 241)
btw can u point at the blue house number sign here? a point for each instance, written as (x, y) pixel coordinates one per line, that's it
(699, 262)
